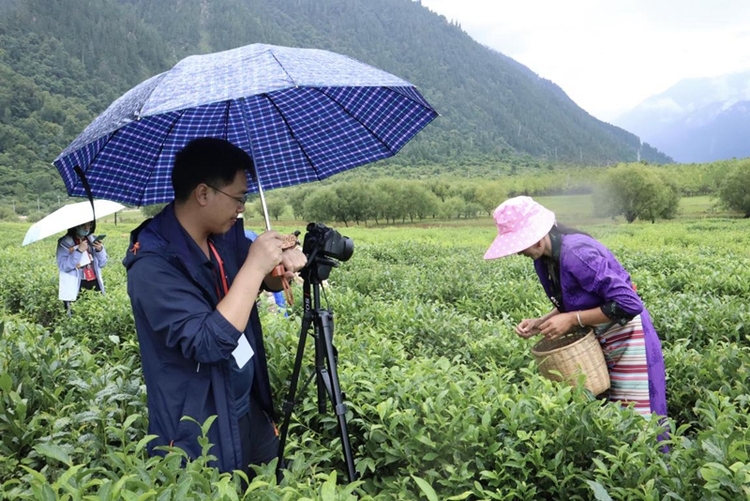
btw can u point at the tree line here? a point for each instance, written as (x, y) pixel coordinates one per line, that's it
(370, 195)
(635, 191)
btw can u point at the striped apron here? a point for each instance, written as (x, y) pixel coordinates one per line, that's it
(624, 348)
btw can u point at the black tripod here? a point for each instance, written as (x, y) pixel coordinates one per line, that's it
(325, 361)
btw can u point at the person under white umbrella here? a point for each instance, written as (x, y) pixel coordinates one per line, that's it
(80, 255)
(69, 216)
(80, 259)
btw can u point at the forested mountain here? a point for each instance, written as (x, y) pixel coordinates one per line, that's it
(63, 61)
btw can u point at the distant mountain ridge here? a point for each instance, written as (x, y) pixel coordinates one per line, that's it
(697, 120)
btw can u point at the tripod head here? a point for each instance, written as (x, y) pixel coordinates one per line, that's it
(324, 248)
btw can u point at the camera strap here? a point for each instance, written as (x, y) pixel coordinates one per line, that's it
(287, 242)
(278, 271)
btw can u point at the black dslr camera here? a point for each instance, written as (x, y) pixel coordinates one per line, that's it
(323, 246)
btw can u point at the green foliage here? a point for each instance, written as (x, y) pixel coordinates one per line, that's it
(369, 195)
(734, 192)
(637, 192)
(490, 195)
(152, 210)
(443, 399)
(323, 205)
(7, 214)
(64, 62)
(276, 206)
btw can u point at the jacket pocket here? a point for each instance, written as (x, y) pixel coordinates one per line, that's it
(187, 432)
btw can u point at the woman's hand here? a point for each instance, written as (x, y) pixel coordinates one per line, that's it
(98, 246)
(558, 325)
(83, 246)
(528, 327)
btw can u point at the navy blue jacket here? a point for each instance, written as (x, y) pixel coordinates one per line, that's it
(186, 345)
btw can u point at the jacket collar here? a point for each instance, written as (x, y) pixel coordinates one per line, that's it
(179, 243)
(165, 236)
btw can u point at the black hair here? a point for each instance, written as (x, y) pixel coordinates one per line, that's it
(208, 160)
(561, 229)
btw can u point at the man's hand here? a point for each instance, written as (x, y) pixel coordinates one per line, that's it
(265, 252)
(293, 260)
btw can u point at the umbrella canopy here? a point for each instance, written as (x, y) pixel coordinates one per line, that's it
(69, 216)
(301, 114)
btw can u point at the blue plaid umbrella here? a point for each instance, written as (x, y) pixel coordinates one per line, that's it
(302, 114)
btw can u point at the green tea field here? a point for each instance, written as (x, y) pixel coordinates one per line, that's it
(444, 400)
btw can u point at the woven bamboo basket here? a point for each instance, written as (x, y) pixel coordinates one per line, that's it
(571, 355)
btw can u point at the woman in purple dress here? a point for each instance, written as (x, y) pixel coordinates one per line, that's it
(587, 287)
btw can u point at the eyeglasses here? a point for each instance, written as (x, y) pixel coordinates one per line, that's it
(240, 200)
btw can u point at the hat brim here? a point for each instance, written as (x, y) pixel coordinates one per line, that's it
(513, 242)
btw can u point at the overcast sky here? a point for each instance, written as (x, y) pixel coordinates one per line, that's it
(609, 55)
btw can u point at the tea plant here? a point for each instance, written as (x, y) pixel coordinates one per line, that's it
(444, 400)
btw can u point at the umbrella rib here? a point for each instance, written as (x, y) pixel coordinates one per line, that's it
(343, 108)
(93, 159)
(284, 69)
(79, 183)
(161, 149)
(291, 132)
(226, 120)
(137, 112)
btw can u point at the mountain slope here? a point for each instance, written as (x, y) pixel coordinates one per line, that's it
(490, 104)
(64, 61)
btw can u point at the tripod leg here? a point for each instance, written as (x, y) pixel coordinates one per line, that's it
(321, 372)
(329, 376)
(289, 402)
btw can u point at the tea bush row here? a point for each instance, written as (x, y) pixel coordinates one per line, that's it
(443, 399)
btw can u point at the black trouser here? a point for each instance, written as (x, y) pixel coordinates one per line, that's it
(85, 285)
(90, 285)
(260, 444)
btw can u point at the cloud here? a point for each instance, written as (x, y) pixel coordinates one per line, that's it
(664, 104)
(610, 56)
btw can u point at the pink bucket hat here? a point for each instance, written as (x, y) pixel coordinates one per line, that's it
(521, 222)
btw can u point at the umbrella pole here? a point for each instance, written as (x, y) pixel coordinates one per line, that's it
(90, 196)
(278, 271)
(243, 112)
(263, 203)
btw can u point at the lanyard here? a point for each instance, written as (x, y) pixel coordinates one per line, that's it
(221, 268)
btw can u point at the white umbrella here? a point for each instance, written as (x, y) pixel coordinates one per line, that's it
(69, 216)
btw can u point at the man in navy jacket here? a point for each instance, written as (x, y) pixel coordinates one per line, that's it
(193, 281)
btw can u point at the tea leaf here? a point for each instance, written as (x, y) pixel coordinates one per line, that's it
(600, 493)
(426, 488)
(5, 382)
(53, 451)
